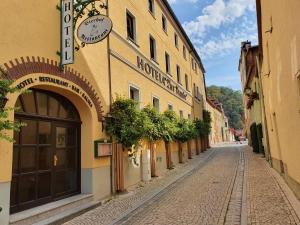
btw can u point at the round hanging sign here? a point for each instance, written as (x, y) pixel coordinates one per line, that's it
(94, 29)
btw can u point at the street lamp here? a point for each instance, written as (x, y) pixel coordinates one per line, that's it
(248, 91)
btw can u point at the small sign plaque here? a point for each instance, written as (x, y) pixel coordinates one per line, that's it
(102, 149)
(94, 29)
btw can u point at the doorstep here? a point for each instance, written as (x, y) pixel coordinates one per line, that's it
(52, 209)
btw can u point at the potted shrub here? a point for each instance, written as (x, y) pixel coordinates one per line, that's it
(153, 132)
(169, 126)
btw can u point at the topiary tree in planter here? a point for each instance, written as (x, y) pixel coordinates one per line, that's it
(207, 126)
(5, 124)
(154, 129)
(169, 131)
(201, 132)
(127, 123)
(184, 133)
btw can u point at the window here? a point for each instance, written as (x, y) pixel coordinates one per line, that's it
(155, 103)
(152, 48)
(151, 6)
(194, 89)
(167, 57)
(193, 64)
(184, 52)
(186, 82)
(131, 32)
(170, 107)
(178, 74)
(189, 117)
(180, 114)
(176, 40)
(198, 93)
(164, 23)
(134, 94)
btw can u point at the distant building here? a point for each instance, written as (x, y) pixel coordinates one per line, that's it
(252, 97)
(220, 126)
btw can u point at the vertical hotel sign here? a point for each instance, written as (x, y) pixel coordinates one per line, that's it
(67, 32)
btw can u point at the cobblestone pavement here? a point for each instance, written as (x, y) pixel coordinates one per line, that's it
(228, 185)
(266, 202)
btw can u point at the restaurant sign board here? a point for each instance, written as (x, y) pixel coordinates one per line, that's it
(94, 29)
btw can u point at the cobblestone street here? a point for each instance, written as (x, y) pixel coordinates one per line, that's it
(225, 185)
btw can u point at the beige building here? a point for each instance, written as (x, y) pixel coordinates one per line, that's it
(279, 52)
(63, 155)
(254, 117)
(220, 127)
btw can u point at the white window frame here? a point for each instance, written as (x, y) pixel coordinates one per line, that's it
(138, 89)
(170, 104)
(155, 97)
(181, 115)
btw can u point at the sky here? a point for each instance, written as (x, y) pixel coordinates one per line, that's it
(217, 28)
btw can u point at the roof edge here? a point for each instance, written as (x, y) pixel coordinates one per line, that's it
(165, 2)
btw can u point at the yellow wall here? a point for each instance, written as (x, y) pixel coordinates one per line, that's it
(281, 84)
(38, 35)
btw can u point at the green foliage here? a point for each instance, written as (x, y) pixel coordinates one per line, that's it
(186, 130)
(170, 127)
(232, 102)
(154, 124)
(207, 122)
(5, 123)
(127, 124)
(200, 128)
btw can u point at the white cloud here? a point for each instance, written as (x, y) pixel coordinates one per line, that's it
(225, 43)
(182, 1)
(218, 13)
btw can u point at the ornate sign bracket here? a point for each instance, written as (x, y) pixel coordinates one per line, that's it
(71, 12)
(83, 7)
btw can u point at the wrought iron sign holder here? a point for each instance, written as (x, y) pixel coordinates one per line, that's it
(80, 9)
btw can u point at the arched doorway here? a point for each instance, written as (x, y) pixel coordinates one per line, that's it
(46, 154)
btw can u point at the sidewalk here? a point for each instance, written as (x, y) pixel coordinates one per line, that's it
(137, 195)
(267, 201)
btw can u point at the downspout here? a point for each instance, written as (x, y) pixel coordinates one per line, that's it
(112, 175)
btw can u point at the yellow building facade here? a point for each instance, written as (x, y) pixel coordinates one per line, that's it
(279, 40)
(147, 57)
(219, 125)
(254, 114)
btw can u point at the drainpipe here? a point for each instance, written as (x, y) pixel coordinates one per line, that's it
(110, 103)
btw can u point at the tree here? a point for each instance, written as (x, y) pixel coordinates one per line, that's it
(127, 123)
(170, 128)
(232, 103)
(154, 124)
(5, 124)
